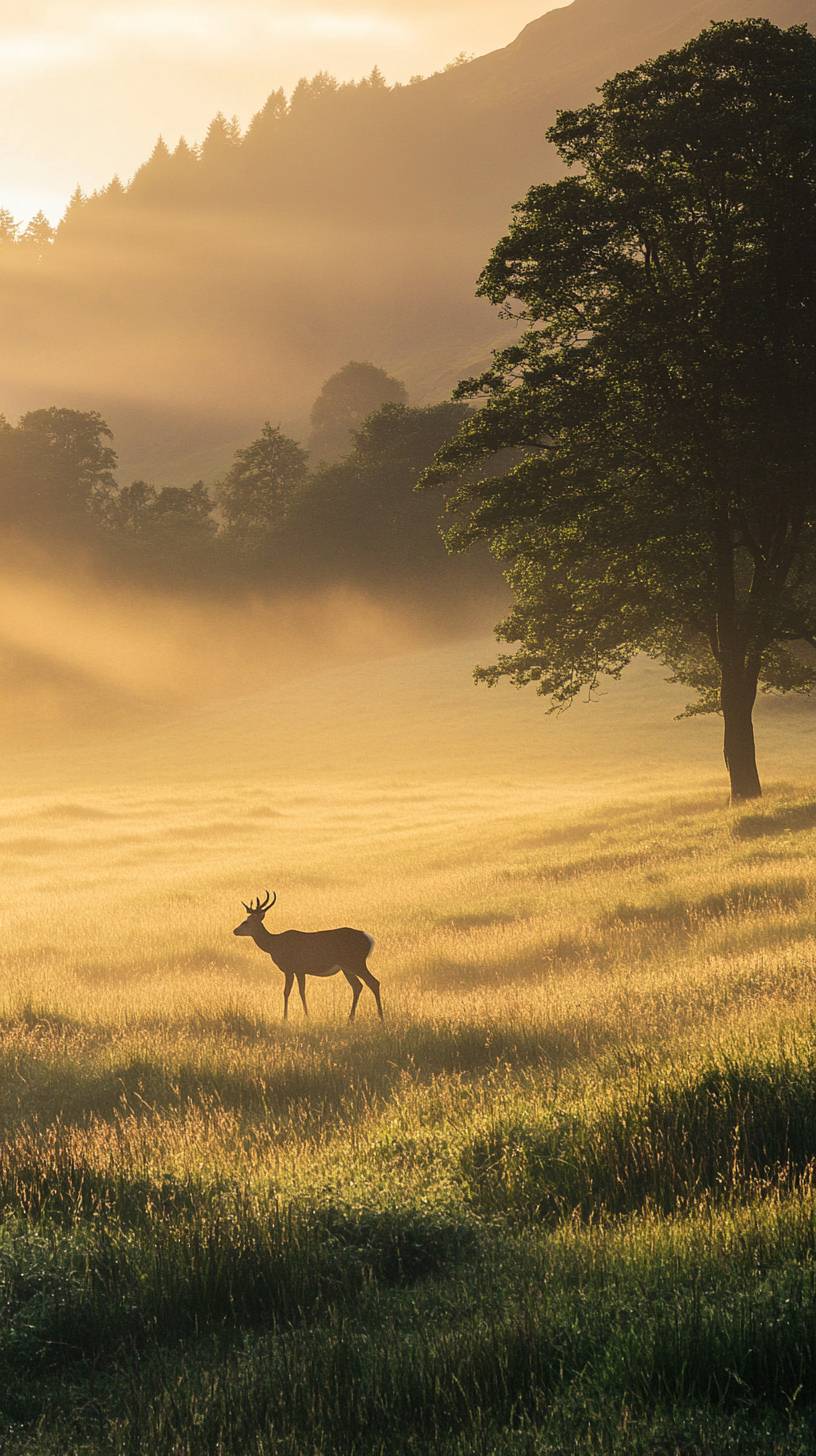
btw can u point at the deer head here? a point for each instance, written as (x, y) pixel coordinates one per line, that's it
(255, 915)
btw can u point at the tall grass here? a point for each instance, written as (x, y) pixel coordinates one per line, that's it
(562, 1200)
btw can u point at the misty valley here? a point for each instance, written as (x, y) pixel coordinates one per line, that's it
(407, 797)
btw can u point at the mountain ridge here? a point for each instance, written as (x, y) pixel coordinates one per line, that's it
(349, 222)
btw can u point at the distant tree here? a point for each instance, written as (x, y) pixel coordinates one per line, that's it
(221, 142)
(265, 124)
(75, 203)
(38, 237)
(71, 224)
(258, 492)
(163, 532)
(152, 182)
(374, 81)
(463, 58)
(9, 229)
(320, 87)
(661, 403)
(184, 162)
(54, 468)
(346, 400)
(362, 523)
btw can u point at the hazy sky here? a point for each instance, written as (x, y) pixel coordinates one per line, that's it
(87, 85)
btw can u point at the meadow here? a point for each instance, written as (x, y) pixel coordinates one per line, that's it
(562, 1200)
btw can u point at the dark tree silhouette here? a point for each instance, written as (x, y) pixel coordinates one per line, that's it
(166, 532)
(220, 145)
(259, 491)
(361, 522)
(345, 402)
(37, 237)
(357, 523)
(53, 467)
(662, 400)
(265, 127)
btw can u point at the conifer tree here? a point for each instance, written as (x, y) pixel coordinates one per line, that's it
(9, 229)
(265, 125)
(152, 182)
(38, 237)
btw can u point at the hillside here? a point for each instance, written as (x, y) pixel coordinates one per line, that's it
(369, 719)
(222, 286)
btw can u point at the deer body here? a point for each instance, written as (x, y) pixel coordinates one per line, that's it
(302, 953)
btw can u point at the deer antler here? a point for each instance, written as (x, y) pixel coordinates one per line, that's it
(258, 908)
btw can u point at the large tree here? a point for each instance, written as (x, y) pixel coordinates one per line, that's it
(661, 404)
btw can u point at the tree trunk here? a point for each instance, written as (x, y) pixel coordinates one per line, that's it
(738, 695)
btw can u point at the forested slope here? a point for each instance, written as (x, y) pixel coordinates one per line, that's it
(224, 282)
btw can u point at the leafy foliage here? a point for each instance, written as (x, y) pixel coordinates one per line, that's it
(660, 402)
(359, 520)
(345, 403)
(269, 521)
(258, 493)
(54, 467)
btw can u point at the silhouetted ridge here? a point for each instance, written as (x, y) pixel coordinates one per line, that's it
(228, 279)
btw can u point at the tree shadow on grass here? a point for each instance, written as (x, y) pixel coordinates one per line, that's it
(40, 1024)
(684, 915)
(316, 1086)
(626, 813)
(535, 967)
(200, 959)
(476, 921)
(789, 818)
(716, 1136)
(612, 862)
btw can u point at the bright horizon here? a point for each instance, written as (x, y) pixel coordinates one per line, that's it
(88, 85)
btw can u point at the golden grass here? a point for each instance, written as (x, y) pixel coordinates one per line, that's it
(517, 950)
(598, 991)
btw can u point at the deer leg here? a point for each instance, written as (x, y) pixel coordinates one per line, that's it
(356, 987)
(373, 986)
(301, 980)
(287, 987)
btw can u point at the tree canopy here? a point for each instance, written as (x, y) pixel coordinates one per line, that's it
(259, 490)
(660, 404)
(345, 402)
(271, 524)
(53, 467)
(359, 523)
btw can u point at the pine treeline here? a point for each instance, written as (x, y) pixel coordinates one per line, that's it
(251, 266)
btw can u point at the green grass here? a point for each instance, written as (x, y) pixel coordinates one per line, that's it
(563, 1200)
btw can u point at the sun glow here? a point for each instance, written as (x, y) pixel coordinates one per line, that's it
(24, 54)
(332, 25)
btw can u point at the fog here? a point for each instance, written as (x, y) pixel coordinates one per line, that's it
(150, 69)
(199, 290)
(77, 648)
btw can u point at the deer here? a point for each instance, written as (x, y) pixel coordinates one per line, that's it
(302, 953)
